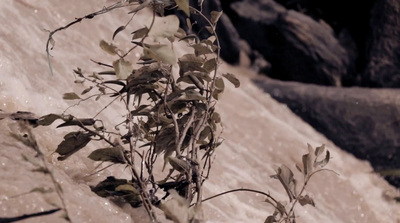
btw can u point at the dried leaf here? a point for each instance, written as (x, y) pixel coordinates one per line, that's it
(121, 28)
(140, 33)
(77, 122)
(184, 6)
(270, 219)
(122, 68)
(201, 49)
(323, 162)
(108, 47)
(73, 142)
(178, 164)
(303, 200)
(231, 78)
(161, 52)
(70, 96)
(48, 119)
(308, 161)
(164, 27)
(113, 154)
(219, 88)
(319, 150)
(87, 90)
(215, 16)
(210, 65)
(285, 176)
(127, 187)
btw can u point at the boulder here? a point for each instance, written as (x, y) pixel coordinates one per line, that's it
(383, 69)
(362, 121)
(298, 47)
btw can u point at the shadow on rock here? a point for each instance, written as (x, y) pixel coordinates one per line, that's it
(365, 122)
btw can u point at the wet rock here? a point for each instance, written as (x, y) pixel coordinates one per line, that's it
(364, 122)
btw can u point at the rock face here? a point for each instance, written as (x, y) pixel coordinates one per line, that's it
(383, 68)
(259, 132)
(364, 122)
(298, 47)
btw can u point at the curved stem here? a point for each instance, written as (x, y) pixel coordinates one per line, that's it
(238, 190)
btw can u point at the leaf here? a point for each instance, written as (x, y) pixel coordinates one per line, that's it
(113, 154)
(127, 187)
(140, 33)
(184, 6)
(215, 16)
(73, 142)
(52, 42)
(164, 27)
(176, 209)
(231, 78)
(109, 48)
(70, 96)
(285, 176)
(216, 117)
(121, 28)
(270, 219)
(42, 190)
(122, 68)
(219, 88)
(179, 165)
(304, 200)
(210, 65)
(160, 52)
(87, 90)
(308, 161)
(323, 162)
(319, 150)
(201, 49)
(77, 122)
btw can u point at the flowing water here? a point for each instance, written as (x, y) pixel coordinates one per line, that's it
(258, 132)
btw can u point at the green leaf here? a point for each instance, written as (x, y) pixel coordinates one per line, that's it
(121, 28)
(108, 47)
(184, 6)
(231, 78)
(122, 68)
(113, 154)
(215, 16)
(70, 96)
(73, 142)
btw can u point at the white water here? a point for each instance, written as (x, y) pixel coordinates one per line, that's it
(259, 132)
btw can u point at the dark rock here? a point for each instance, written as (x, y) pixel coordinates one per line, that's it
(227, 34)
(383, 69)
(298, 47)
(365, 122)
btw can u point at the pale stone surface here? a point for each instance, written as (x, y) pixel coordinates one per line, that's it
(259, 132)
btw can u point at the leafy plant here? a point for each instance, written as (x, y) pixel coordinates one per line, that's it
(170, 118)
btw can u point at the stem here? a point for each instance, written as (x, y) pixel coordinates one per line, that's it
(238, 190)
(89, 16)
